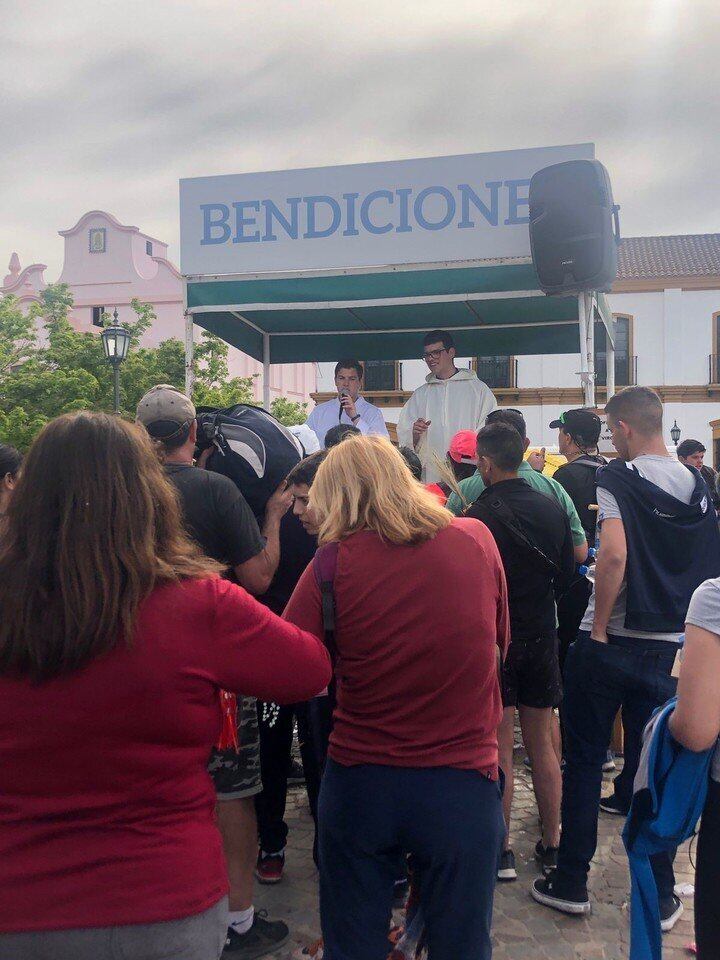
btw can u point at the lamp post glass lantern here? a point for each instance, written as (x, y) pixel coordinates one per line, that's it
(675, 433)
(116, 343)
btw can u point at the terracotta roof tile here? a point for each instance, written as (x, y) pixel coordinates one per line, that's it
(660, 257)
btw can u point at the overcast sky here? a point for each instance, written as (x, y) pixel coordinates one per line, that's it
(107, 104)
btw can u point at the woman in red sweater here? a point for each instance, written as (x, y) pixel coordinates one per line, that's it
(116, 637)
(421, 616)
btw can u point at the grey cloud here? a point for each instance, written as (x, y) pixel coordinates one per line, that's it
(117, 125)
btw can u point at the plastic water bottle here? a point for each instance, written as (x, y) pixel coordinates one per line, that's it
(584, 568)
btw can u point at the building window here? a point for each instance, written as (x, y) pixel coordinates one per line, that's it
(381, 375)
(97, 239)
(497, 371)
(97, 316)
(148, 248)
(625, 362)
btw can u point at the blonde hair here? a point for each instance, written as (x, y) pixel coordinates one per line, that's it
(364, 484)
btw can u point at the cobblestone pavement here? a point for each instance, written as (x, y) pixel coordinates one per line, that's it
(522, 929)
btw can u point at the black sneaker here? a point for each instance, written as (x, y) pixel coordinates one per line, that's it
(670, 913)
(263, 937)
(545, 891)
(296, 774)
(506, 866)
(269, 867)
(546, 857)
(609, 763)
(611, 804)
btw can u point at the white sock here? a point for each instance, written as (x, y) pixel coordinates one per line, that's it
(241, 920)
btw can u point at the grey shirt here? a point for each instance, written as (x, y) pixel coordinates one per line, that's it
(671, 476)
(704, 611)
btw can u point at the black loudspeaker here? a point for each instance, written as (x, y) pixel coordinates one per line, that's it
(574, 227)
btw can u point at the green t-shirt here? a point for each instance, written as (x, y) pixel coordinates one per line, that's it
(474, 486)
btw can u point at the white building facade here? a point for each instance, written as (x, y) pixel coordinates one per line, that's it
(666, 302)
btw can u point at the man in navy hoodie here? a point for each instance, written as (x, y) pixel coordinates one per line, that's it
(658, 541)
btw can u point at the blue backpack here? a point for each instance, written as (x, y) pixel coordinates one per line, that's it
(670, 790)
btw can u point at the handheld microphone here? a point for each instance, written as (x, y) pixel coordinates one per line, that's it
(343, 393)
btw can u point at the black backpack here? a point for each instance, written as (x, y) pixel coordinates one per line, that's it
(584, 469)
(252, 448)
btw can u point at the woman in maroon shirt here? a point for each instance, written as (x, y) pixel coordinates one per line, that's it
(116, 637)
(421, 615)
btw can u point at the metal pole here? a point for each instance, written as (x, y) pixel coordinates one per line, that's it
(582, 324)
(590, 303)
(116, 386)
(266, 370)
(189, 355)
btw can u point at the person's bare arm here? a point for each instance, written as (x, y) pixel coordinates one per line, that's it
(695, 722)
(609, 573)
(580, 552)
(256, 574)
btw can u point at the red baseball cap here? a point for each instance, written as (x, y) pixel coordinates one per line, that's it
(463, 447)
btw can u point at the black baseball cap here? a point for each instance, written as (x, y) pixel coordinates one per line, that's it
(581, 424)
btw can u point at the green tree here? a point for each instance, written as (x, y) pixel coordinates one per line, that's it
(17, 334)
(288, 412)
(48, 368)
(18, 428)
(64, 370)
(213, 385)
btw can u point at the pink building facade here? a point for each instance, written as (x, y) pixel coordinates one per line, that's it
(108, 264)
(25, 284)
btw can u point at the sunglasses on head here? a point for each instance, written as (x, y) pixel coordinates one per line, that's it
(494, 414)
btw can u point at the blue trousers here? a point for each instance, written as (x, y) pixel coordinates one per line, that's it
(600, 678)
(449, 820)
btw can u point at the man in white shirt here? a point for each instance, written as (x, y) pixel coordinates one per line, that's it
(450, 400)
(348, 407)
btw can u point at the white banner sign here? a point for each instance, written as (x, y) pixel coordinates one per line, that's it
(469, 207)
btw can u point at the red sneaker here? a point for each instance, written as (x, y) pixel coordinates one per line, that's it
(270, 867)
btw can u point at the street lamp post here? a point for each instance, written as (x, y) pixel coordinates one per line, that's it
(675, 433)
(116, 343)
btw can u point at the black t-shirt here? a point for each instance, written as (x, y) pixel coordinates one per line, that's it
(216, 514)
(579, 480)
(531, 585)
(297, 548)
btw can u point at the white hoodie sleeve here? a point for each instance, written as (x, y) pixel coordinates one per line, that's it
(486, 403)
(408, 415)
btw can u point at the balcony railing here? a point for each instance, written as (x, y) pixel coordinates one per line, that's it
(497, 371)
(625, 371)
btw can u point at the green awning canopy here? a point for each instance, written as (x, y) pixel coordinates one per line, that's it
(491, 308)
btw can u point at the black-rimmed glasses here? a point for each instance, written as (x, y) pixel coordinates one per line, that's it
(434, 354)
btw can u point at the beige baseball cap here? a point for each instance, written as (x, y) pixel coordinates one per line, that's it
(163, 410)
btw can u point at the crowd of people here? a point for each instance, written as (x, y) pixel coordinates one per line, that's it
(159, 644)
